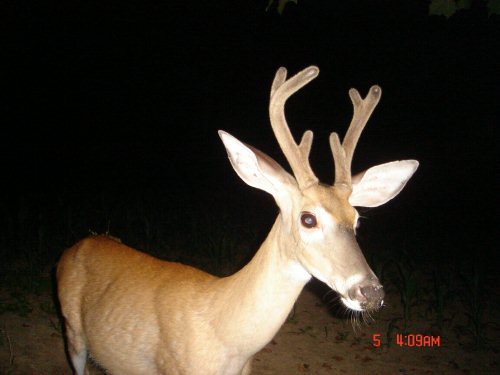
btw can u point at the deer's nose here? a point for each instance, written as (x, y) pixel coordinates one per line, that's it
(370, 294)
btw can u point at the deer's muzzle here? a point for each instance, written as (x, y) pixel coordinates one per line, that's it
(369, 294)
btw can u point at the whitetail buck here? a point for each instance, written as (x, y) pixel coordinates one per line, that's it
(138, 315)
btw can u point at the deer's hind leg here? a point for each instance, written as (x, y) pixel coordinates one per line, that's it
(77, 349)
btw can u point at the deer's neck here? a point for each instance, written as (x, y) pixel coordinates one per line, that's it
(259, 297)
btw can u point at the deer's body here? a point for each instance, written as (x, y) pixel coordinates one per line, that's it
(135, 314)
(222, 336)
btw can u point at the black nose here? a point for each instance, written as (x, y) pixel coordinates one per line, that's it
(369, 294)
(374, 296)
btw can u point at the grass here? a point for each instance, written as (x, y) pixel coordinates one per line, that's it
(402, 273)
(5, 341)
(444, 296)
(475, 304)
(450, 299)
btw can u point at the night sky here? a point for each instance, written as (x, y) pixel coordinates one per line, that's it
(128, 95)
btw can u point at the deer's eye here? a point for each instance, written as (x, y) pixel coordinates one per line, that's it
(308, 220)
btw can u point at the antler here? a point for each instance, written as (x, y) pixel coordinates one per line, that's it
(297, 155)
(342, 154)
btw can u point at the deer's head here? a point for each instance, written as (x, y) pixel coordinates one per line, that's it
(319, 221)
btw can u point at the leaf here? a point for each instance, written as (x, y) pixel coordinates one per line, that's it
(269, 4)
(281, 5)
(448, 8)
(493, 7)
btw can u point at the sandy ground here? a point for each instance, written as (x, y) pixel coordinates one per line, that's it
(312, 341)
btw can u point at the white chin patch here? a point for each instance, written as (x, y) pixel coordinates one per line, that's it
(353, 305)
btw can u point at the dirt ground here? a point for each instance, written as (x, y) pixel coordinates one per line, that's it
(312, 341)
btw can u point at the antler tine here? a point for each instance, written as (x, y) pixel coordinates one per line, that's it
(342, 176)
(297, 155)
(343, 154)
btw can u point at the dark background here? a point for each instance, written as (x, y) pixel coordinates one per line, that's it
(121, 102)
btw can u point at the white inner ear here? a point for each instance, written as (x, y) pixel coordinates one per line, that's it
(256, 168)
(381, 183)
(244, 162)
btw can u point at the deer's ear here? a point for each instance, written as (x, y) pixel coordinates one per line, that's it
(256, 168)
(381, 183)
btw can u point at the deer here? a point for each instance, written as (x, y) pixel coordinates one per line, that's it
(134, 314)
